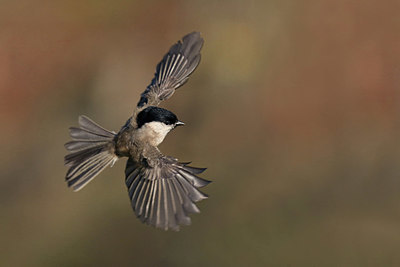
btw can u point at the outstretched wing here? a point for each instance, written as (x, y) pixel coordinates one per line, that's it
(173, 70)
(164, 195)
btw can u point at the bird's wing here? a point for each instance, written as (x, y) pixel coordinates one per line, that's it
(164, 195)
(173, 70)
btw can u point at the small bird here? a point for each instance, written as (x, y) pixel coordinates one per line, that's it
(162, 190)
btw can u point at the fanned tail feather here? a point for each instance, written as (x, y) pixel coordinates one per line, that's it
(90, 151)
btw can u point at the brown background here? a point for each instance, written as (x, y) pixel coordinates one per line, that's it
(294, 109)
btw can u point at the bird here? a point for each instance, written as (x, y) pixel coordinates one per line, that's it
(163, 191)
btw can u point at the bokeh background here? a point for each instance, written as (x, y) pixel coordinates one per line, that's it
(294, 109)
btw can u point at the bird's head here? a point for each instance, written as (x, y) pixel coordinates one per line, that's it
(154, 124)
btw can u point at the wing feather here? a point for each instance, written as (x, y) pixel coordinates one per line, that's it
(136, 192)
(192, 192)
(150, 199)
(153, 211)
(157, 208)
(164, 194)
(188, 205)
(173, 70)
(181, 214)
(193, 179)
(141, 196)
(133, 186)
(131, 177)
(171, 210)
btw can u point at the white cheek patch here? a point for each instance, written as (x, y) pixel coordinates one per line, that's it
(154, 132)
(159, 127)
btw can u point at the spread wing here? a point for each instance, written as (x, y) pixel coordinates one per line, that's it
(164, 195)
(173, 70)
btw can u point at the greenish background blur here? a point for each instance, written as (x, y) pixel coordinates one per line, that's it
(294, 109)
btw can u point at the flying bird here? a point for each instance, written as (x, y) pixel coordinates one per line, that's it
(162, 190)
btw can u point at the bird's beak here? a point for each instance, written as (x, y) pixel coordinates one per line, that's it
(179, 123)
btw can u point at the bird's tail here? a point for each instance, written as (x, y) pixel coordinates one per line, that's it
(91, 150)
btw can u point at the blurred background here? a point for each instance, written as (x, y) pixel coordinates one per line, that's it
(294, 109)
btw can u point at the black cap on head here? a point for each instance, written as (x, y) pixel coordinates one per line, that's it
(150, 114)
